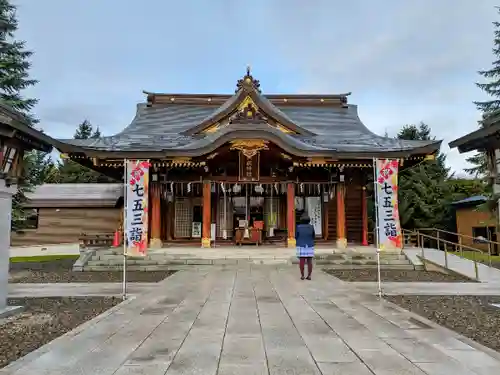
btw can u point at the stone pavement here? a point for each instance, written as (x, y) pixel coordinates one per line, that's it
(257, 320)
(428, 288)
(457, 264)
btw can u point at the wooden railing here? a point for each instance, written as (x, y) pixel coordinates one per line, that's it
(101, 240)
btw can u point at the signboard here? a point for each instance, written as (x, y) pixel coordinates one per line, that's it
(313, 205)
(386, 185)
(196, 230)
(136, 214)
(249, 166)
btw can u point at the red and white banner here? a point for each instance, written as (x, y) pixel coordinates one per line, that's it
(386, 185)
(136, 213)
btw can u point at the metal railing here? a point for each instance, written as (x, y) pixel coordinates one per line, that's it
(420, 237)
(461, 237)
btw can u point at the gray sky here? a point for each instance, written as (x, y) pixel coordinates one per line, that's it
(404, 61)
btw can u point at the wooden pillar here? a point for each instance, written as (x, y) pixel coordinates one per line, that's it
(341, 229)
(290, 214)
(207, 211)
(365, 217)
(155, 216)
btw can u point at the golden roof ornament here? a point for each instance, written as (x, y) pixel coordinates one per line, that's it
(248, 83)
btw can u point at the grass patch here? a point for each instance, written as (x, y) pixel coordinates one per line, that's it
(479, 256)
(43, 258)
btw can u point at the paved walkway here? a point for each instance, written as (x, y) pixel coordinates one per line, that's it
(259, 320)
(388, 288)
(457, 264)
(429, 288)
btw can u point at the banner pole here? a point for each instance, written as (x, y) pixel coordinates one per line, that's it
(125, 230)
(377, 239)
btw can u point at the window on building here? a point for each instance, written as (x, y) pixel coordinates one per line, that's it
(480, 234)
(32, 219)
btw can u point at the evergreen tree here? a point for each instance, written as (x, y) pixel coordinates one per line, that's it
(96, 134)
(14, 78)
(423, 188)
(84, 130)
(427, 190)
(422, 132)
(72, 172)
(491, 86)
(14, 64)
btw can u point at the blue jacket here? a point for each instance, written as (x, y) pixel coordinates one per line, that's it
(304, 235)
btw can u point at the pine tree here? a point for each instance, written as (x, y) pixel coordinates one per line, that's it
(492, 88)
(14, 78)
(84, 130)
(72, 172)
(423, 188)
(14, 64)
(96, 134)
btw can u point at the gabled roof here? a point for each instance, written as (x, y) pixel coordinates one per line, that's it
(248, 95)
(192, 125)
(75, 195)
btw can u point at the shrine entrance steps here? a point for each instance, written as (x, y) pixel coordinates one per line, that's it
(185, 257)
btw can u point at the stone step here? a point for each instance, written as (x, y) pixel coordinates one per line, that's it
(112, 259)
(167, 267)
(235, 261)
(161, 257)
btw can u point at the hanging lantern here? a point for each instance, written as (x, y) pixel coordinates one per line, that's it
(236, 188)
(259, 189)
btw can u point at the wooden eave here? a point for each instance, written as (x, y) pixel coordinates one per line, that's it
(168, 154)
(14, 125)
(481, 139)
(219, 99)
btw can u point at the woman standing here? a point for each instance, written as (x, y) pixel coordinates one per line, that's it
(304, 237)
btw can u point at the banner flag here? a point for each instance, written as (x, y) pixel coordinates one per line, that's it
(386, 185)
(137, 198)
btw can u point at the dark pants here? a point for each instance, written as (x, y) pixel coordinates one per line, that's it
(302, 261)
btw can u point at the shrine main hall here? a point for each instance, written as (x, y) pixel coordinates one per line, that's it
(242, 168)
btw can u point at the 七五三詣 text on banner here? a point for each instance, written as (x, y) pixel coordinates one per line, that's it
(137, 177)
(386, 183)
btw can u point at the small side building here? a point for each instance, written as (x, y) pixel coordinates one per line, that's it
(475, 222)
(62, 212)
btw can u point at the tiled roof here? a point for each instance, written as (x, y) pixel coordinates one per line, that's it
(159, 128)
(75, 195)
(475, 199)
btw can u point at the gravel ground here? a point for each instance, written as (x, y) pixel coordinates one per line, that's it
(370, 274)
(68, 276)
(471, 316)
(43, 320)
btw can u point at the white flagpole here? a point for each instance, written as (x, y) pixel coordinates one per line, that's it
(377, 239)
(125, 229)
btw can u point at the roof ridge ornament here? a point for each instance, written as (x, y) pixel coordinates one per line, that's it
(248, 83)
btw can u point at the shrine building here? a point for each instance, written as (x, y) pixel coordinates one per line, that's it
(243, 168)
